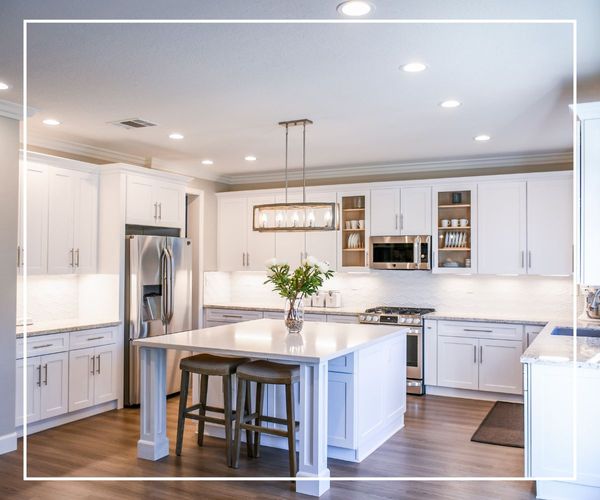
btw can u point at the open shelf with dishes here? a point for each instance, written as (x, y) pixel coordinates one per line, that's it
(354, 235)
(454, 209)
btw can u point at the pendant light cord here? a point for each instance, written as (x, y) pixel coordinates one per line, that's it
(304, 162)
(286, 162)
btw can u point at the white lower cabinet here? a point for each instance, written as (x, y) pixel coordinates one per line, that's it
(500, 366)
(92, 376)
(457, 362)
(340, 421)
(531, 332)
(47, 387)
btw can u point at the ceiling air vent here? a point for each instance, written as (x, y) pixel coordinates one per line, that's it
(133, 123)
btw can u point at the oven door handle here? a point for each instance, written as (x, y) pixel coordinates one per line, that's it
(417, 252)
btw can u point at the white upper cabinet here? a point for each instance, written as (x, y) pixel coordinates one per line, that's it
(152, 201)
(502, 231)
(415, 210)
(232, 228)
(72, 221)
(36, 253)
(404, 211)
(260, 245)
(322, 244)
(385, 212)
(550, 226)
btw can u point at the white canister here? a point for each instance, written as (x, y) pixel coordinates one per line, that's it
(334, 298)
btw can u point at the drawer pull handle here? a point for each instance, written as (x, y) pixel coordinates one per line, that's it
(477, 330)
(232, 316)
(94, 338)
(42, 346)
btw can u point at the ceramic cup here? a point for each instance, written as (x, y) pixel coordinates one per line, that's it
(464, 222)
(347, 224)
(445, 222)
(354, 224)
(361, 224)
(454, 222)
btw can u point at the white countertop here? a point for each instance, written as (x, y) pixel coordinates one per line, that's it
(318, 341)
(68, 325)
(562, 350)
(249, 306)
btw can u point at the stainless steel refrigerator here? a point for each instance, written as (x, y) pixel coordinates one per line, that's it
(158, 293)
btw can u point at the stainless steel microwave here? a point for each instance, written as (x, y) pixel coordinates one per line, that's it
(401, 252)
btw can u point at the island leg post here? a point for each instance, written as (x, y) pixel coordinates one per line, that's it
(153, 443)
(313, 430)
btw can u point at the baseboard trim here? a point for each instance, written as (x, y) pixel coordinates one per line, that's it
(8, 443)
(468, 394)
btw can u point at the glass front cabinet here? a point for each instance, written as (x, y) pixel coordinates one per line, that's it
(454, 238)
(354, 230)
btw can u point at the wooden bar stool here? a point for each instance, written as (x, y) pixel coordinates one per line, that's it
(265, 372)
(207, 365)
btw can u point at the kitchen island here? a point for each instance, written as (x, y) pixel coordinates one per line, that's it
(377, 355)
(561, 387)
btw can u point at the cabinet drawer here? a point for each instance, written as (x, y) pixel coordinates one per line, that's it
(343, 364)
(232, 315)
(480, 330)
(44, 344)
(315, 317)
(91, 338)
(342, 318)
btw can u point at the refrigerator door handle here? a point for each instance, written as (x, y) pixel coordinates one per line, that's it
(164, 283)
(167, 285)
(170, 285)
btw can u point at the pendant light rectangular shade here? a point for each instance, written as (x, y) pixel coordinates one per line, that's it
(283, 217)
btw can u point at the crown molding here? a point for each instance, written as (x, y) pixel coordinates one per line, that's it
(86, 150)
(178, 168)
(504, 161)
(14, 110)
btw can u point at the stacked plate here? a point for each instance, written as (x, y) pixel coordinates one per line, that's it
(354, 240)
(455, 239)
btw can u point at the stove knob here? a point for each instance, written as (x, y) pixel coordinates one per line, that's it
(414, 320)
(362, 317)
(401, 320)
(376, 319)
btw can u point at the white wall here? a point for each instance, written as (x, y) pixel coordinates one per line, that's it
(530, 296)
(9, 173)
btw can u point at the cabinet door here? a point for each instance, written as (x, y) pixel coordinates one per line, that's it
(171, 204)
(457, 362)
(232, 232)
(290, 247)
(340, 406)
(55, 385)
(142, 206)
(531, 332)
(385, 212)
(415, 210)
(37, 219)
(261, 246)
(33, 391)
(430, 345)
(589, 175)
(322, 244)
(81, 378)
(61, 212)
(105, 379)
(550, 226)
(500, 366)
(86, 223)
(502, 228)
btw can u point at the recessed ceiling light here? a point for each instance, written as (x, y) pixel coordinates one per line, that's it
(4, 86)
(482, 138)
(50, 121)
(414, 67)
(207, 162)
(250, 158)
(175, 136)
(355, 8)
(450, 103)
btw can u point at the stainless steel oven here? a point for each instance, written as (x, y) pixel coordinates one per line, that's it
(400, 252)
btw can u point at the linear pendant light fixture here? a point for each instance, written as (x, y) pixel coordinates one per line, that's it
(305, 216)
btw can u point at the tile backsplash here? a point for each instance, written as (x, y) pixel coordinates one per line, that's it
(539, 294)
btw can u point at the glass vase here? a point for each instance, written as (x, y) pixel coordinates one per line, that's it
(293, 315)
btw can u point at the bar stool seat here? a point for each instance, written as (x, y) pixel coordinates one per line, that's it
(207, 365)
(265, 372)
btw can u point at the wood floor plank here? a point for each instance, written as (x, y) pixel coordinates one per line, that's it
(435, 442)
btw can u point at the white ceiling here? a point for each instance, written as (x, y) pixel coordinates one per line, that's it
(226, 86)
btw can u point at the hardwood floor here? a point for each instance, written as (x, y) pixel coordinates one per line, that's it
(434, 442)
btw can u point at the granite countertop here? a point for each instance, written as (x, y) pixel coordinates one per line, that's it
(559, 349)
(60, 326)
(346, 311)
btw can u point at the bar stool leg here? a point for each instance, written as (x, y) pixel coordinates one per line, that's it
(240, 404)
(291, 427)
(183, 395)
(248, 409)
(227, 414)
(202, 410)
(259, 405)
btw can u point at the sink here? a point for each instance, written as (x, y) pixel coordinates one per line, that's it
(581, 332)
